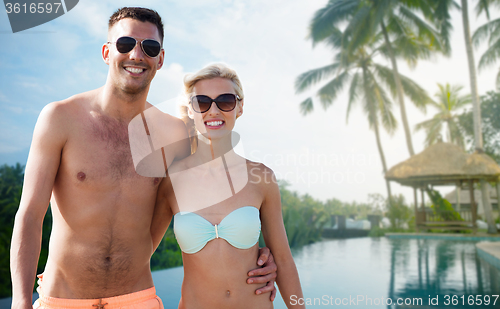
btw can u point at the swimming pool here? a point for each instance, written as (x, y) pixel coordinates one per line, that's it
(373, 272)
(366, 272)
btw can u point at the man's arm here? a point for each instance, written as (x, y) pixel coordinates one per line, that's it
(43, 162)
(266, 273)
(162, 214)
(274, 233)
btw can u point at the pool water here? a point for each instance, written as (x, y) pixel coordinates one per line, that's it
(378, 273)
(367, 272)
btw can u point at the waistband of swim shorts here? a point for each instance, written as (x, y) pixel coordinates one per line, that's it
(112, 302)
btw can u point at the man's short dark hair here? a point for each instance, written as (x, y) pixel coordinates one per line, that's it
(140, 14)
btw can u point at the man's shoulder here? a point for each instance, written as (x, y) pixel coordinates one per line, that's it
(70, 105)
(57, 120)
(165, 129)
(159, 118)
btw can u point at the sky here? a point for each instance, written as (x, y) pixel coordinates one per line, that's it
(266, 43)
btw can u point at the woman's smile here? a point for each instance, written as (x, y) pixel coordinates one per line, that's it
(214, 123)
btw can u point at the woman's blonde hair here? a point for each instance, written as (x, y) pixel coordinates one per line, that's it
(210, 71)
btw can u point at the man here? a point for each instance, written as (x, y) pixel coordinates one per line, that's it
(80, 160)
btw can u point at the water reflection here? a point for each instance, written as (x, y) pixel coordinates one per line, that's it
(375, 272)
(446, 272)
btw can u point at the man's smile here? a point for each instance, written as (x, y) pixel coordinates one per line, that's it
(134, 70)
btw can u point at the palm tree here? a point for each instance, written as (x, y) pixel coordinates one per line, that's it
(491, 32)
(404, 33)
(443, 18)
(449, 101)
(366, 79)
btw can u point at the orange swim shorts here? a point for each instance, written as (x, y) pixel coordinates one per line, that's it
(145, 299)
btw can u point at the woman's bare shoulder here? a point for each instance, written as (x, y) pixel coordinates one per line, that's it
(259, 173)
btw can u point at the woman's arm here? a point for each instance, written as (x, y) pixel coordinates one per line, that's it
(275, 237)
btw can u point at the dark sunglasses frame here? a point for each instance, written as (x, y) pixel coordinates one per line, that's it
(217, 101)
(127, 47)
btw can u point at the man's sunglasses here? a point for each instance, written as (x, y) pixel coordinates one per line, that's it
(150, 47)
(225, 102)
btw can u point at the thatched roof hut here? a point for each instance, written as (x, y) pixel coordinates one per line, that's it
(446, 164)
(443, 163)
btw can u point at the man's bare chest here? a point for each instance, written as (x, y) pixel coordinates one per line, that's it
(98, 153)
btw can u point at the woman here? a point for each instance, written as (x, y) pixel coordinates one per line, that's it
(221, 201)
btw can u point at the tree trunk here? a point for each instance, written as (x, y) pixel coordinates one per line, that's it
(373, 116)
(399, 90)
(476, 109)
(382, 158)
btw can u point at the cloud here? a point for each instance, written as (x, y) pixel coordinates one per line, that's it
(3, 98)
(34, 84)
(15, 109)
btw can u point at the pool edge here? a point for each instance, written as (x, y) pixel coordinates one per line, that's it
(477, 237)
(490, 252)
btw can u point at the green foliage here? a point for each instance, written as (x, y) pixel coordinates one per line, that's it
(376, 232)
(168, 254)
(360, 210)
(11, 183)
(490, 119)
(379, 232)
(442, 207)
(398, 211)
(11, 180)
(303, 216)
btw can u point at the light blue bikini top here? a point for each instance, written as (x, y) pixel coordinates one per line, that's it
(240, 228)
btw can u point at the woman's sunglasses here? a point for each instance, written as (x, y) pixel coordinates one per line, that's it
(225, 102)
(150, 47)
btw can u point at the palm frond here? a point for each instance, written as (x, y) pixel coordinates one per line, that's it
(442, 20)
(483, 6)
(328, 93)
(432, 128)
(494, 31)
(306, 106)
(354, 91)
(384, 107)
(381, 10)
(424, 29)
(411, 89)
(309, 78)
(485, 31)
(490, 56)
(325, 19)
(410, 49)
(335, 39)
(360, 28)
